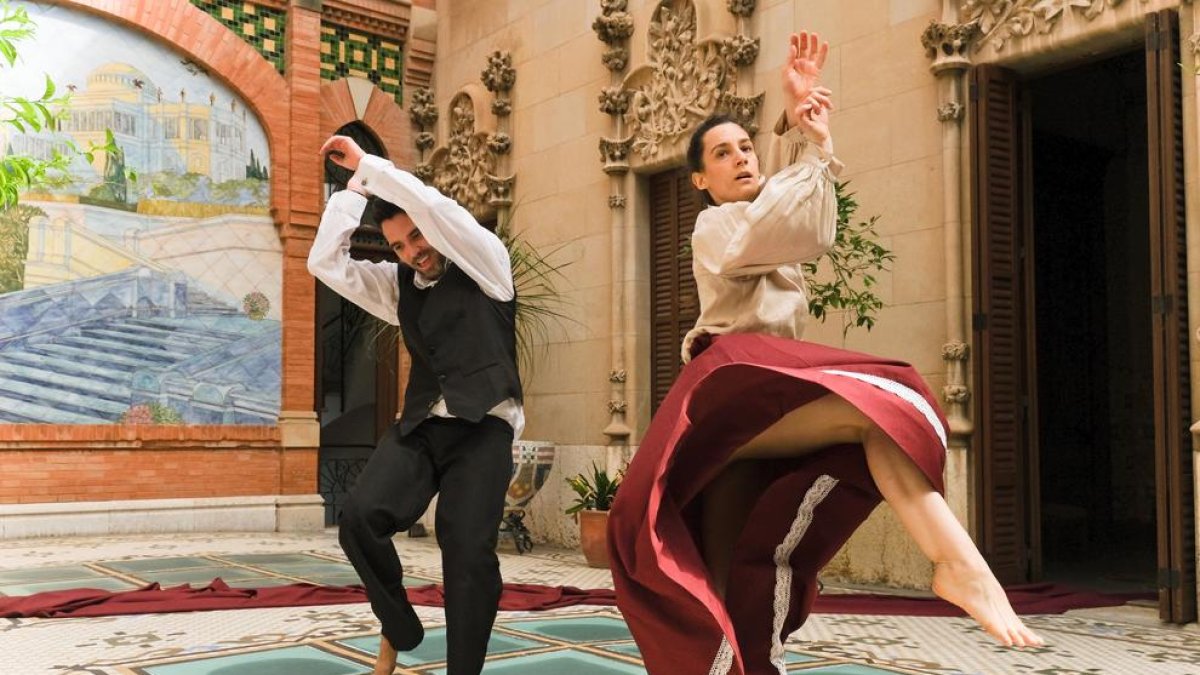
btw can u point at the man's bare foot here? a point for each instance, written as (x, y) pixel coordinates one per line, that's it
(973, 588)
(385, 663)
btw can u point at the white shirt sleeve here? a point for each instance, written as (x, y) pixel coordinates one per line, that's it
(370, 285)
(792, 220)
(447, 226)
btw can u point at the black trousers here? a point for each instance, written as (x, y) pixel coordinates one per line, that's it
(469, 464)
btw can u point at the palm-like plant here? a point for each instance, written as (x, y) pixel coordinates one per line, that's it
(539, 303)
(595, 492)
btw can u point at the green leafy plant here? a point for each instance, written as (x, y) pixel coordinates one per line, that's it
(14, 245)
(539, 303)
(595, 492)
(20, 172)
(853, 262)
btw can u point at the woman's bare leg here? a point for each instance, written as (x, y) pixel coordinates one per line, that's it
(961, 575)
(727, 503)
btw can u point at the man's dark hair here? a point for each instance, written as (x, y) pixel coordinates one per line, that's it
(695, 148)
(381, 210)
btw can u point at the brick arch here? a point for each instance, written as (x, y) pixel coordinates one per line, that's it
(226, 57)
(386, 119)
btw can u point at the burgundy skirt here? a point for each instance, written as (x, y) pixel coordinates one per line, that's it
(808, 508)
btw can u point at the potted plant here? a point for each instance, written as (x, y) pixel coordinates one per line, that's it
(593, 498)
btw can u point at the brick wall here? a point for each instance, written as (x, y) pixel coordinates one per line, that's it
(44, 463)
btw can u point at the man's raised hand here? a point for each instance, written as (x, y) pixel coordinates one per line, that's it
(343, 151)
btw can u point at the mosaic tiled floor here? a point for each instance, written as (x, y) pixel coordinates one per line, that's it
(341, 639)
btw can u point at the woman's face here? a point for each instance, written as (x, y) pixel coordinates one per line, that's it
(730, 171)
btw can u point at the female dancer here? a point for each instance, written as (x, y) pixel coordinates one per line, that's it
(768, 452)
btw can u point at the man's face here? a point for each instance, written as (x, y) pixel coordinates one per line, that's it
(410, 246)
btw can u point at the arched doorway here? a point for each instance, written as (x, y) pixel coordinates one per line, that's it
(356, 360)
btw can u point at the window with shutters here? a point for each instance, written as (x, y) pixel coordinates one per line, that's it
(674, 306)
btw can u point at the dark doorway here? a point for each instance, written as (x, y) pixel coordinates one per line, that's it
(1084, 467)
(357, 367)
(1093, 337)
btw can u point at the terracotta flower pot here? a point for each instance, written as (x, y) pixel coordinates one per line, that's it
(593, 537)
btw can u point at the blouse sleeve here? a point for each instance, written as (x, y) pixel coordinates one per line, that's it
(793, 219)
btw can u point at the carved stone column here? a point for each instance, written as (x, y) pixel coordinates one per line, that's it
(499, 77)
(424, 114)
(948, 45)
(613, 27)
(472, 166)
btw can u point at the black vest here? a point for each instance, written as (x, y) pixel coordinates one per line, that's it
(463, 347)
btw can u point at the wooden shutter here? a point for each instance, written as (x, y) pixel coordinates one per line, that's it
(1000, 323)
(1168, 287)
(674, 305)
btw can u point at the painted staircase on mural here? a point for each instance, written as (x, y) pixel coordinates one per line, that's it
(140, 342)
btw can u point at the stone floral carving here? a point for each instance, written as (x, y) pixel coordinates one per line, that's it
(424, 111)
(614, 100)
(950, 111)
(742, 109)
(500, 143)
(955, 351)
(613, 27)
(616, 406)
(462, 166)
(608, 6)
(616, 202)
(615, 152)
(425, 140)
(956, 393)
(686, 80)
(741, 50)
(944, 40)
(1005, 20)
(615, 58)
(499, 74)
(501, 107)
(500, 190)
(617, 376)
(424, 171)
(743, 8)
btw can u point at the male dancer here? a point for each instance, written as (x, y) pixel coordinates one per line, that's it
(454, 301)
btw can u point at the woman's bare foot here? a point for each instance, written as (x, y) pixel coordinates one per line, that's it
(973, 588)
(385, 663)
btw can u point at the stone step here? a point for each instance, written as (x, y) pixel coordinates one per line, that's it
(57, 380)
(47, 414)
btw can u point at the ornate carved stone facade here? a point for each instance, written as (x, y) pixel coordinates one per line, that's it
(471, 167)
(686, 80)
(1002, 21)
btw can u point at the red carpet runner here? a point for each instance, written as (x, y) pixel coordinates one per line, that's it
(153, 599)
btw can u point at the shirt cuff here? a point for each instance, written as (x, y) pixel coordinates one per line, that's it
(794, 138)
(369, 168)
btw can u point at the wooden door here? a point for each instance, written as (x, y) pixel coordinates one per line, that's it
(674, 305)
(1002, 324)
(1174, 480)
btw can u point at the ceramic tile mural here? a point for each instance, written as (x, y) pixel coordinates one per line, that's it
(147, 287)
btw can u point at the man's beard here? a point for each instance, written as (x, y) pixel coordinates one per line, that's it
(439, 268)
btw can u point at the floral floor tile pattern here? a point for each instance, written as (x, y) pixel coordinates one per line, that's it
(341, 639)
